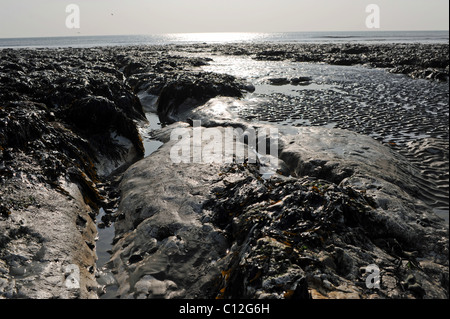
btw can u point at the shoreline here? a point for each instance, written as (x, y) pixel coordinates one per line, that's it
(69, 128)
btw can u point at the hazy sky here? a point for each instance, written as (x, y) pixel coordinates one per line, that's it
(30, 18)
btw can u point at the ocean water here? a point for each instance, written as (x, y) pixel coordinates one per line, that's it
(191, 38)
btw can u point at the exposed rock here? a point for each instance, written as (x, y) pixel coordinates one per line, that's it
(43, 239)
(63, 118)
(285, 237)
(302, 80)
(279, 81)
(188, 93)
(167, 232)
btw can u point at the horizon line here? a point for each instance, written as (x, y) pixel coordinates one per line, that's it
(211, 32)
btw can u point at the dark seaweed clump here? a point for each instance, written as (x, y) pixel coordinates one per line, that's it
(61, 107)
(291, 236)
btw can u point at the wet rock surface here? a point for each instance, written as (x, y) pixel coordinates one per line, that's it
(69, 126)
(188, 93)
(67, 121)
(309, 235)
(160, 248)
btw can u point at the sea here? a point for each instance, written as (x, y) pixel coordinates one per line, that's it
(233, 37)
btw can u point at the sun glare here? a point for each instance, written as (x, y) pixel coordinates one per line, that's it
(219, 37)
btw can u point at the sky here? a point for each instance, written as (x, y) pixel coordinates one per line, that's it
(45, 18)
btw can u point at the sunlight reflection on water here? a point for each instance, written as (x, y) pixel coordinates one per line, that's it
(219, 37)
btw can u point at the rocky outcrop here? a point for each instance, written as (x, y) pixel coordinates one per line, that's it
(81, 90)
(187, 93)
(176, 82)
(193, 230)
(163, 249)
(67, 121)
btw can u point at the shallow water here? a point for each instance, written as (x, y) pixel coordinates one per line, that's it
(151, 145)
(370, 101)
(104, 244)
(106, 235)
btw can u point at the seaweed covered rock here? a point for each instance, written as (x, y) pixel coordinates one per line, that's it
(305, 232)
(98, 116)
(81, 90)
(67, 121)
(151, 69)
(314, 234)
(185, 94)
(175, 82)
(27, 127)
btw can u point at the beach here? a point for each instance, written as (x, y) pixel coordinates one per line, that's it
(85, 146)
